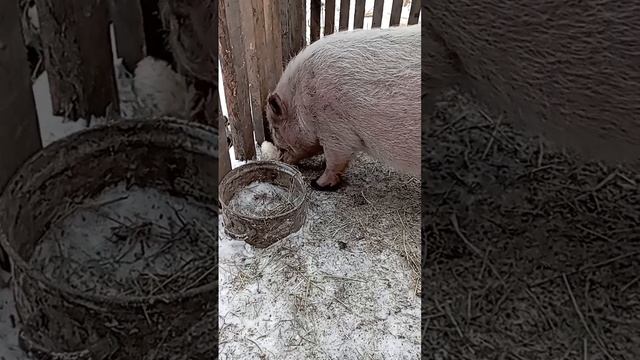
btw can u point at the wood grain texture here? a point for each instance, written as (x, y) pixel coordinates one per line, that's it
(358, 16)
(414, 12)
(378, 8)
(234, 72)
(316, 7)
(78, 57)
(273, 39)
(329, 17)
(396, 13)
(344, 15)
(252, 32)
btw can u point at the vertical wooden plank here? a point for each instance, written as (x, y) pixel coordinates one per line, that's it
(344, 15)
(329, 17)
(396, 13)
(378, 8)
(234, 74)
(285, 36)
(358, 16)
(251, 33)
(297, 26)
(19, 130)
(154, 33)
(316, 6)
(414, 12)
(266, 76)
(129, 31)
(224, 159)
(78, 57)
(274, 41)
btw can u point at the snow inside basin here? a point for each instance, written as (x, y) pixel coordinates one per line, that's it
(263, 202)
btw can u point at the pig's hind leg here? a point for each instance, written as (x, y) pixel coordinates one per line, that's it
(337, 162)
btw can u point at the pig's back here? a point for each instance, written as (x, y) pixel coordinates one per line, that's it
(365, 84)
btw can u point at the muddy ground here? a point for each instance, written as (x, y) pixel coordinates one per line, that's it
(533, 253)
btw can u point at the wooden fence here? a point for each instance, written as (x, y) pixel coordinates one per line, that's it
(259, 37)
(76, 40)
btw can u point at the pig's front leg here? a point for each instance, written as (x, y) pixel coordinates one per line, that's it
(336, 164)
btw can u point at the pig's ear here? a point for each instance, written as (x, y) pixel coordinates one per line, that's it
(277, 106)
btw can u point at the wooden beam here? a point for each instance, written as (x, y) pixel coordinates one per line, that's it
(396, 13)
(316, 7)
(126, 16)
(19, 130)
(285, 37)
(378, 8)
(329, 17)
(344, 15)
(253, 49)
(78, 57)
(235, 78)
(414, 12)
(273, 40)
(267, 77)
(297, 26)
(358, 16)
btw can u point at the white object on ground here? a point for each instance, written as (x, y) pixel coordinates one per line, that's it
(269, 151)
(160, 88)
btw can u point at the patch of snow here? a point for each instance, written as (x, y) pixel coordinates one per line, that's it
(262, 199)
(124, 239)
(235, 163)
(268, 151)
(340, 288)
(51, 127)
(292, 301)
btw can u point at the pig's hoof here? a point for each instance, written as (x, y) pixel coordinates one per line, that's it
(316, 186)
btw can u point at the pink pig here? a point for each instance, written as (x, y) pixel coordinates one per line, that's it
(351, 92)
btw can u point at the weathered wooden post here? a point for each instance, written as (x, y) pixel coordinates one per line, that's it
(396, 13)
(316, 6)
(19, 130)
(252, 15)
(343, 25)
(414, 12)
(273, 39)
(234, 72)
(378, 8)
(78, 57)
(358, 16)
(297, 26)
(330, 16)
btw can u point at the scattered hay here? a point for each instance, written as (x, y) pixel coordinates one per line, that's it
(533, 253)
(143, 243)
(345, 286)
